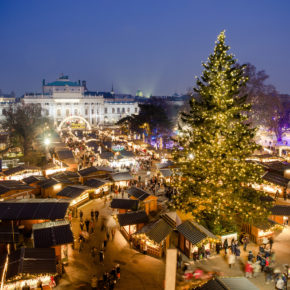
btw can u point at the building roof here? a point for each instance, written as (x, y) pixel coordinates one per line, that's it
(93, 169)
(237, 283)
(8, 234)
(127, 154)
(166, 172)
(73, 191)
(164, 164)
(276, 178)
(8, 185)
(283, 210)
(213, 284)
(65, 175)
(122, 203)
(108, 155)
(132, 218)
(194, 232)
(138, 193)
(122, 176)
(95, 182)
(277, 166)
(48, 182)
(27, 261)
(33, 179)
(50, 234)
(157, 231)
(33, 209)
(172, 218)
(65, 154)
(19, 169)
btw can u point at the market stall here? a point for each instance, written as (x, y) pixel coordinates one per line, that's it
(195, 241)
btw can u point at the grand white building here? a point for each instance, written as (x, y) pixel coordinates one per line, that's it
(64, 100)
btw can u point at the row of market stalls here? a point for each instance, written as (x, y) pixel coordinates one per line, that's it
(33, 242)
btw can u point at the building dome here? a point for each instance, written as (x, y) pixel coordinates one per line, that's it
(139, 94)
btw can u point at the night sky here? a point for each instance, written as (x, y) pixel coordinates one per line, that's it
(154, 45)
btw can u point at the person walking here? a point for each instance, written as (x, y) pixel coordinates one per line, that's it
(280, 284)
(248, 270)
(271, 241)
(94, 282)
(245, 242)
(92, 214)
(81, 215)
(250, 256)
(101, 256)
(96, 215)
(231, 260)
(226, 245)
(218, 248)
(87, 223)
(256, 268)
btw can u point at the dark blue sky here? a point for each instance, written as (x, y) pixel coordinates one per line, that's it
(153, 45)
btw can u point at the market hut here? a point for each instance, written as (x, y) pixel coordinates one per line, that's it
(29, 266)
(166, 174)
(124, 205)
(77, 194)
(121, 179)
(70, 176)
(258, 231)
(26, 212)
(192, 237)
(34, 181)
(147, 200)
(280, 214)
(156, 236)
(131, 222)
(94, 171)
(56, 234)
(51, 186)
(98, 186)
(10, 189)
(65, 157)
(21, 171)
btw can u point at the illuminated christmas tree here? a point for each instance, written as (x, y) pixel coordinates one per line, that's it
(214, 178)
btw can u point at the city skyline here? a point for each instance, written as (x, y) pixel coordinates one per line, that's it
(155, 47)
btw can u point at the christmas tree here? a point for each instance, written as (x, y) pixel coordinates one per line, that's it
(214, 178)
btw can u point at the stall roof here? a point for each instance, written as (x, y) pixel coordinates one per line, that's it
(194, 232)
(95, 182)
(33, 179)
(65, 154)
(276, 178)
(283, 210)
(132, 218)
(33, 209)
(166, 172)
(8, 185)
(93, 169)
(265, 225)
(48, 182)
(65, 175)
(277, 166)
(164, 164)
(29, 261)
(8, 234)
(122, 203)
(73, 191)
(20, 168)
(127, 154)
(122, 176)
(51, 234)
(138, 193)
(228, 283)
(157, 231)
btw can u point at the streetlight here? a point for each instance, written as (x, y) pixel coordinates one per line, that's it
(46, 141)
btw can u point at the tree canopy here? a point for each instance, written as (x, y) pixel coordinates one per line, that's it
(24, 123)
(214, 178)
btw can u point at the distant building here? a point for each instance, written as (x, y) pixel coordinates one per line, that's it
(64, 100)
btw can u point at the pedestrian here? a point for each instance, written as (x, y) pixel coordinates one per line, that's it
(231, 260)
(248, 270)
(245, 242)
(87, 223)
(277, 195)
(101, 256)
(118, 270)
(81, 215)
(218, 248)
(256, 268)
(96, 215)
(92, 227)
(238, 253)
(105, 243)
(108, 235)
(284, 194)
(265, 242)
(269, 274)
(113, 232)
(250, 256)
(280, 284)
(226, 245)
(92, 214)
(82, 225)
(94, 282)
(271, 241)
(233, 245)
(105, 278)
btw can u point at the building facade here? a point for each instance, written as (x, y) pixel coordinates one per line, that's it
(63, 100)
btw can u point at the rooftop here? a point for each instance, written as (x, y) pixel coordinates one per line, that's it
(132, 218)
